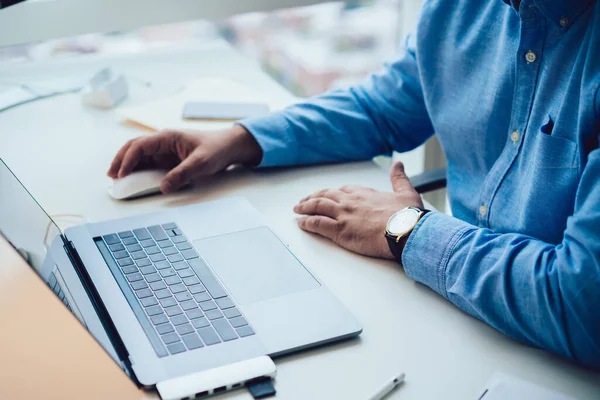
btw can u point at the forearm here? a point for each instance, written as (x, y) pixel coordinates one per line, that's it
(538, 293)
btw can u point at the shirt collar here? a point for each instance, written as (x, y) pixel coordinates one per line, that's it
(562, 12)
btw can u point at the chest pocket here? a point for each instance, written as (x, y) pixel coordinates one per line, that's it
(553, 152)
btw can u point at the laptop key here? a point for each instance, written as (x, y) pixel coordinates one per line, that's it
(159, 319)
(157, 257)
(170, 225)
(188, 305)
(138, 255)
(161, 294)
(111, 239)
(192, 341)
(225, 302)
(200, 297)
(178, 288)
(245, 331)
(179, 239)
(207, 278)
(170, 338)
(179, 319)
(154, 310)
(147, 270)
(184, 246)
(208, 305)
(142, 234)
(238, 321)
(153, 278)
(158, 285)
(129, 240)
(196, 288)
(214, 314)
(232, 312)
(165, 244)
(143, 293)
(147, 243)
(135, 277)
(192, 280)
(184, 329)
(224, 330)
(157, 232)
(176, 348)
(185, 273)
(170, 232)
(167, 272)
(165, 328)
(149, 301)
(177, 232)
(168, 302)
(189, 254)
(170, 251)
(133, 248)
(172, 311)
(152, 250)
(209, 336)
(129, 269)
(200, 322)
(175, 257)
(180, 265)
(120, 254)
(183, 296)
(194, 313)
(125, 234)
(139, 285)
(125, 261)
(162, 264)
(116, 247)
(143, 262)
(172, 280)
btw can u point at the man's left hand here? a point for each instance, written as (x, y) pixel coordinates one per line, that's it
(355, 217)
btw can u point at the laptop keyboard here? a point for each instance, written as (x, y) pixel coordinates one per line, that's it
(183, 303)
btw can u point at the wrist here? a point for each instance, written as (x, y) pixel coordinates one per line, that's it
(246, 150)
(397, 240)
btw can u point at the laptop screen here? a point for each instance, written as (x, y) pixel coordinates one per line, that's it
(23, 221)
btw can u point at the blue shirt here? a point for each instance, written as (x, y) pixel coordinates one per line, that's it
(512, 92)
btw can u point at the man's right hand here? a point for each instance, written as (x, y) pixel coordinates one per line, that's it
(187, 154)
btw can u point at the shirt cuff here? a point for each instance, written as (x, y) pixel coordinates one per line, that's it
(429, 248)
(272, 132)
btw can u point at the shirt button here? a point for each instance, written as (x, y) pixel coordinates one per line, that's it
(515, 136)
(482, 210)
(564, 21)
(530, 56)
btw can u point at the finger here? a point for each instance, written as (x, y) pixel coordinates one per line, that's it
(351, 188)
(332, 194)
(398, 177)
(139, 148)
(113, 171)
(319, 206)
(182, 174)
(320, 225)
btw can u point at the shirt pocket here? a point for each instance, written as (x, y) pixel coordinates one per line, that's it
(553, 152)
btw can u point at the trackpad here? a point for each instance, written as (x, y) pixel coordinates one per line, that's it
(254, 265)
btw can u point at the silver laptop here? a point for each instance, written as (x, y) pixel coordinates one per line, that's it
(180, 291)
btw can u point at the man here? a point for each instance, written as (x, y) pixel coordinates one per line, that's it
(511, 89)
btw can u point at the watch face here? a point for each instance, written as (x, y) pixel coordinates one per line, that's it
(403, 221)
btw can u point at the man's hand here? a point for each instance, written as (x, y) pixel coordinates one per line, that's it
(187, 154)
(355, 217)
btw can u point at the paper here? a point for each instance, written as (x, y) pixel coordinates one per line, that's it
(15, 96)
(167, 113)
(502, 387)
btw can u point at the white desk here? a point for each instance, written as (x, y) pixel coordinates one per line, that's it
(61, 151)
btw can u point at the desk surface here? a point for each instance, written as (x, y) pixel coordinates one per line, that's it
(61, 151)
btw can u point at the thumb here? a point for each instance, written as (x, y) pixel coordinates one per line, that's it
(181, 174)
(398, 177)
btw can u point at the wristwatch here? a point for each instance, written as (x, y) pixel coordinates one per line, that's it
(399, 227)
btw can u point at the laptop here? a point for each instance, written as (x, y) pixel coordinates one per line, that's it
(180, 291)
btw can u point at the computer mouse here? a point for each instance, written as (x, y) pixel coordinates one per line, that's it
(136, 184)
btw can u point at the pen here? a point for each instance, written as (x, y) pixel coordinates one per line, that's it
(388, 387)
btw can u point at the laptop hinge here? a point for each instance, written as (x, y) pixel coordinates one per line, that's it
(100, 308)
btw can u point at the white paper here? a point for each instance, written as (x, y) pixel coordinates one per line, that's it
(167, 113)
(14, 96)
(503, 387)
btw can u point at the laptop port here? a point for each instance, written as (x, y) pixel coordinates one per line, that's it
(202, 394)
(236, 385)
(219, 389)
